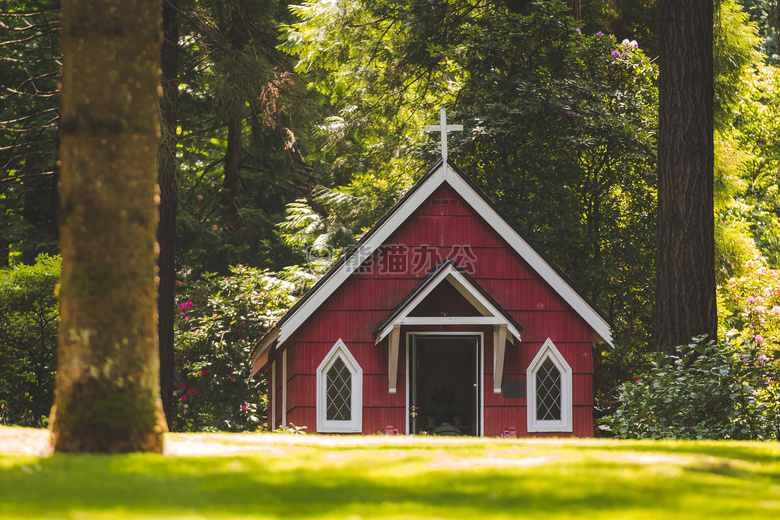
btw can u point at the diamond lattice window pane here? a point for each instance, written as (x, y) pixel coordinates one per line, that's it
(339, 402)
(548, 392)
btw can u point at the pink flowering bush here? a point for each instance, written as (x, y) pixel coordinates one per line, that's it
(749, 305)
(219, 320)
(724, 390)
(729, 389)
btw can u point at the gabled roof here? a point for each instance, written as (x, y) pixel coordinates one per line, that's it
(450, 271)
(440, 174)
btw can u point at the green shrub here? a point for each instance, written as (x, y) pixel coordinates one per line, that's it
(218, 321)
(28, 341)
(725, 390)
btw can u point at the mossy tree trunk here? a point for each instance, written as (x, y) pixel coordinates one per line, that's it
(107, 398)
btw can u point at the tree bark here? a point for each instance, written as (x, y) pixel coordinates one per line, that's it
(108, 394)
(169, 198)
(232, 167)
(685, 259)
(575, 7)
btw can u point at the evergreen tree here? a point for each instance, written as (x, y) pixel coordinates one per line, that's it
(685, 257)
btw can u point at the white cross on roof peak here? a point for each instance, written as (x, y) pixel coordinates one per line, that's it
(443, 127)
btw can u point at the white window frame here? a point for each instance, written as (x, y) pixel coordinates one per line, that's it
(565, 424)
(355, 425)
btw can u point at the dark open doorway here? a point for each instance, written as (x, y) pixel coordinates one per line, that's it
(444, 385)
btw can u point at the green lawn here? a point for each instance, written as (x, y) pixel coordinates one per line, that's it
(432, 478)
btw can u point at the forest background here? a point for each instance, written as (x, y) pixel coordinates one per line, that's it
(288, 130)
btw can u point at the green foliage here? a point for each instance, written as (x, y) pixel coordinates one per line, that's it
(765, 15)
(734, 54)
(756, 130)
(725, 390)
(28, 341)
(632, 19)
(381, 67)
(244, 123)
(30, 59)
(219, 319)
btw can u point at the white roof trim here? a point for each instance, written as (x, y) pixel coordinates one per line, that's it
(490, 315)
(378, 237)
(537, 263)
(496, 221)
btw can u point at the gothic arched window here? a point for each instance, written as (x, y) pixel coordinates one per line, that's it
(549, 391)
(339, 392)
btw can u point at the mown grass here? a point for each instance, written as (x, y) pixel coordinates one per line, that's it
(432, 479)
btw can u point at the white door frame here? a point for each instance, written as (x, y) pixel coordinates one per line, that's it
(480, 339)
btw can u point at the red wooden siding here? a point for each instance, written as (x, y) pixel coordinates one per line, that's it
(431, 234)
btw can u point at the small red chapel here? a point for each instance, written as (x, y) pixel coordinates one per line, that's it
(442, 319)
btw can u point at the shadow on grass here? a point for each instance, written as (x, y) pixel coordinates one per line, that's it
(367, 484)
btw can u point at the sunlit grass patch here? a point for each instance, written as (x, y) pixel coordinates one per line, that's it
(429, 479)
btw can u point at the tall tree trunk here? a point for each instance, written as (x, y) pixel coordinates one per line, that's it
(575, 7)
(232, 166)
(108, 394)
(169, 198)
(685, 261)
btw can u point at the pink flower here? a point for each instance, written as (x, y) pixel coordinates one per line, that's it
(191, 390)
(203, 372)
(186, 318)
(631, 43)
(749, 300)
(183, 397)
(760, 309)
(182, 385)
(775, 310)
(244, 408)
(637, 379)
(181, 313)
(615, 54)
(762, 358)
(178, 282)
(758, 338)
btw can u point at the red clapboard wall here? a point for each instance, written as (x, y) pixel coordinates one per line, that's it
(442, 225)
